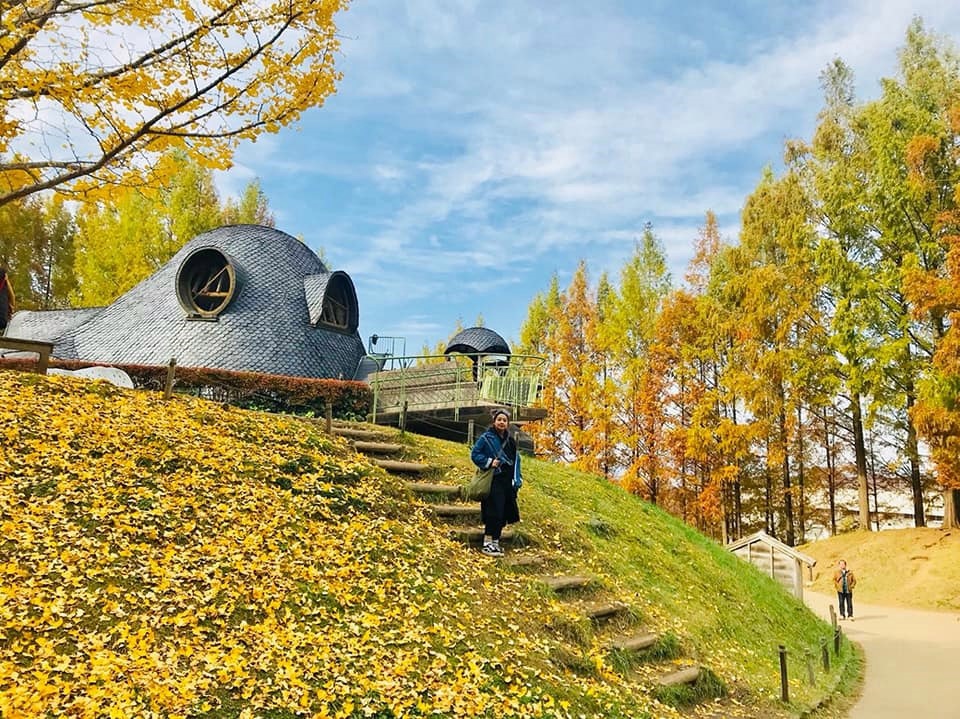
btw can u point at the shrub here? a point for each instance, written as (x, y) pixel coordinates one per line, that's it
(250, 390)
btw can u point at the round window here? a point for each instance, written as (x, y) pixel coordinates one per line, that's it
(206, 283)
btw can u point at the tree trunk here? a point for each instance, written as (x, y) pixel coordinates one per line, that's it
(738, 508)
(768, 502)
(913, 453)
(951, 508)
(724, 528)
(831, 475)
(873, 485)
(861, 454)
(737, 494)
(787, 485)
(801, 480)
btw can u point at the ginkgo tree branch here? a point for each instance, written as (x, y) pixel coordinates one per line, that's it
(155, 55)
(230, 72)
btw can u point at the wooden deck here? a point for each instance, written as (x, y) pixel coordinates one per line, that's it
(449, 394)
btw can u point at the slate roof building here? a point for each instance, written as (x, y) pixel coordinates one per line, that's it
(241, 297)
(477, 340)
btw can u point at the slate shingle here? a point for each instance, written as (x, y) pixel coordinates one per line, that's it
(477, 340)
(268, 327)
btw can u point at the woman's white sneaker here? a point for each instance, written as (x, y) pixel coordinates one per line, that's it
(492, 549)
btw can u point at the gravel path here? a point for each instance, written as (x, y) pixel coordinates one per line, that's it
(912, 659)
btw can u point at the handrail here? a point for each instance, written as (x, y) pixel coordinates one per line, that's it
(454, 381)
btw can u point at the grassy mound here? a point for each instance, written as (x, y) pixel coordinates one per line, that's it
(183, 559)
(916, 567)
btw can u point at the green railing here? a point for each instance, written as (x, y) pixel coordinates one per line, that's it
(452, 382)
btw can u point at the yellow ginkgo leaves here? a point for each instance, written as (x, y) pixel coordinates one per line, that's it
(169, 559)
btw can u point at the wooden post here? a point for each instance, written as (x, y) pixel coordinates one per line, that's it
(811, 680)
(784, 686)
(471, 428)
(403, 419)
(43, 349)
(825, 654)
(328, 411)
(168, 386)
(836, 640)
(833, 617)
(43, 361)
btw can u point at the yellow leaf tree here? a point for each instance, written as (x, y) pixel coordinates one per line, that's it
(92, 95)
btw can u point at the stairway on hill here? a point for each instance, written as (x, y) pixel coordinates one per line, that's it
(654, 659)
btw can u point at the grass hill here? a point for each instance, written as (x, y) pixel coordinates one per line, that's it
(187, 559)
(896, 567)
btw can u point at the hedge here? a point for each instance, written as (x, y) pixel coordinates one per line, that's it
(251, 390)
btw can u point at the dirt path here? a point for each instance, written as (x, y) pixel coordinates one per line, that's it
(911, 659)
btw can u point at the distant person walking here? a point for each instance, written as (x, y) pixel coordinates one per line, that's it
(7, 300)
(844, 581)
(497, 448)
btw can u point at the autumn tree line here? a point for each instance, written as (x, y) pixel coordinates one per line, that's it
(114, 115)
(817, 352)
(61, 254)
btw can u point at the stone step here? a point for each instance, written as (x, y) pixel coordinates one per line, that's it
(634, 642)
(687, 675)
(604, 610)
(525, 560)
(448, 490)
(565, 583)
(361, 434)
(377, 447)
(455, 510)
(395, 466)
(474, 535)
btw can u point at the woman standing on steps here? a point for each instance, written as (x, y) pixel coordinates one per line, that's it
(497, 448)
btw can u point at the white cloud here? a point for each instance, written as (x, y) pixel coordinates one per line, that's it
(549, 134)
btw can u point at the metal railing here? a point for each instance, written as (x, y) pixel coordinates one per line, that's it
(452, 382)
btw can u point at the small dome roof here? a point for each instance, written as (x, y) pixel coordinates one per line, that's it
(478, 340)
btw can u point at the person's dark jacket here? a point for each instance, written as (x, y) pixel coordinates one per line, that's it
(6, 301)
(501, 504)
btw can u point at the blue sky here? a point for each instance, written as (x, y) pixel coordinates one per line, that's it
(474, 149)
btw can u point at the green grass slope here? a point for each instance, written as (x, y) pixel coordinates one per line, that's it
(184, 559)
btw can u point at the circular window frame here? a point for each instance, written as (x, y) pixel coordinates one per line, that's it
(206, 283)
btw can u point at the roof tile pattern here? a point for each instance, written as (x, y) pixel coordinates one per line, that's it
(265, 328)
(477, 340)
(47, 325)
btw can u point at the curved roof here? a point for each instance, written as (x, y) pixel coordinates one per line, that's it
(477, 340)
(269, 324)
(47, 325)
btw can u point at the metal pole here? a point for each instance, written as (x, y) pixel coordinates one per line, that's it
(784, 687)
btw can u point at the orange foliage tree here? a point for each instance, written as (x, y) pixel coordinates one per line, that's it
(937, 293)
